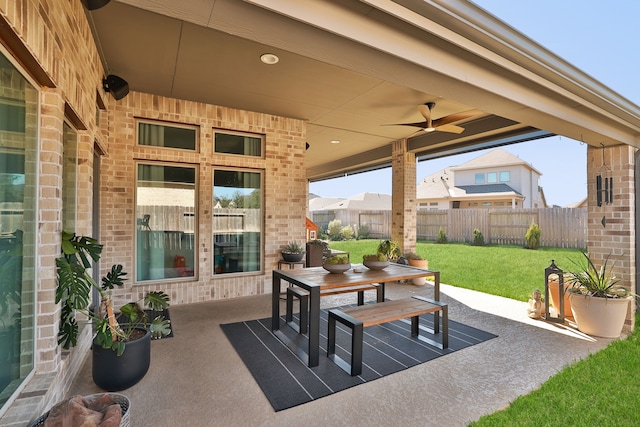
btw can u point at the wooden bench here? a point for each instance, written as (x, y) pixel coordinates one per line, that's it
(358, 318)
(303, 297)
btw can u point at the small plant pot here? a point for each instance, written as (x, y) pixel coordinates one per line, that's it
(291, 257)
(420, 263)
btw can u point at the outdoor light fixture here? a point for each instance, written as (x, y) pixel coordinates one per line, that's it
(94, 4)
(269, 58)
(553, 269)
(335, 141)
(118, 86)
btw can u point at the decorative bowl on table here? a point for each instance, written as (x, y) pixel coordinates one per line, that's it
(336, 268)
(376, 265)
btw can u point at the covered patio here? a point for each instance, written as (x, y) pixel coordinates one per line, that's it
(197, 378)
(265, 96)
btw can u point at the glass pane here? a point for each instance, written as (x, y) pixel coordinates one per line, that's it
(18, 173)
(166, 136)
(238, 144)
(69, 177)
(166, 222)
(492, 177)
(479, 178)
(237, 221)
(505, 176)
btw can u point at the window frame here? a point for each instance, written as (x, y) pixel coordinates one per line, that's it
(196, 220)
(261, 246)
(196, 128)
(261, 137)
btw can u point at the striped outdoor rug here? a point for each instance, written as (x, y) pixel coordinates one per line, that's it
(388, 348)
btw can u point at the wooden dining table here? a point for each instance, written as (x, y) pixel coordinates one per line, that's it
(317, 279)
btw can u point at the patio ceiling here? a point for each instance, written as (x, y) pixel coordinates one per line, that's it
(350, 67)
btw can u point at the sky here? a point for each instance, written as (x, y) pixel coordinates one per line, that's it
(597, 37)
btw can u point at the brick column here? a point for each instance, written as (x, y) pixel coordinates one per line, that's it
(403, 198)
(611, 226)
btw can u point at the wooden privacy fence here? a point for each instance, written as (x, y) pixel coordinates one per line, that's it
(560, 227)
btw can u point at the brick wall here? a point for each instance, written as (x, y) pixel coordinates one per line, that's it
(285, 190)
(403, 197)
(616, 238)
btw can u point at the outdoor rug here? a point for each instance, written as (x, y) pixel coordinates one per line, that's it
(388, 348)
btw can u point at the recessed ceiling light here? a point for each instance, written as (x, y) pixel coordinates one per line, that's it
(269, 58)
(335, 141)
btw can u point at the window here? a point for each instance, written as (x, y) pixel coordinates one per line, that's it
(18, 201)
(156, 135)
(486, 203)
(492, 177)
(237, 221)
(505, 176)
(479, 178)
(69, 177)
(166, 221)
(238, 143)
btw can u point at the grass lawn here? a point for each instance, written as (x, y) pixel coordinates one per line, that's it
(508, 271)
(600, 390)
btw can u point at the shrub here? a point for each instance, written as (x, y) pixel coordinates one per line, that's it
(478, 238)
(533, 236)
(334, 229)
(346, 233)
(442, 237)
(364, 231)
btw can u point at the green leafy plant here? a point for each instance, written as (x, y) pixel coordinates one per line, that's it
(597, 282)
(293, 248)
(413, 256)
(478, 238)
(532, 236)
(346, 233)
(334, 229)
(390, 249)
(74, 295)
(442, 237)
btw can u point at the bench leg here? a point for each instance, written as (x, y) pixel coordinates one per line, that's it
(415, 326)
(361, 298)
(304, 310)
(445, 326)
(357, 335)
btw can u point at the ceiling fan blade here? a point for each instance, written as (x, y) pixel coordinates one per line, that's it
(418, 125)
(456, 117)
(425, 109)
(450, 129)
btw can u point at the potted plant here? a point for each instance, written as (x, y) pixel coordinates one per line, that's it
(599, 305)
(121, 353)
(390, 249)
(416, 260)
(292, 252)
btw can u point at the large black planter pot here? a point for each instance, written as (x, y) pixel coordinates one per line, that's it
(291, 257)
(114, 373)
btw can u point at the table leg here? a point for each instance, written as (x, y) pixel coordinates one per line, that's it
(314, 326)
(380, 293)
(436, 296)
(275, 302)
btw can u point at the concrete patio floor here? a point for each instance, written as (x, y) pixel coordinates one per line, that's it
(197, 379)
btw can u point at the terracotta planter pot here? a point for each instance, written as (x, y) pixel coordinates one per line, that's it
(420, 263)
(555, 298)
(601, 317)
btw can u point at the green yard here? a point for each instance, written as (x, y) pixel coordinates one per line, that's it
(600, 390)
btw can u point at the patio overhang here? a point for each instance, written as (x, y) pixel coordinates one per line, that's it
(348, 68)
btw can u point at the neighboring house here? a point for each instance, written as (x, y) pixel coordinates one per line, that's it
(497, 179)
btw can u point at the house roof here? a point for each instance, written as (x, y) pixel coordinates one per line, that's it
(362, 201)
(342, 61)
(487, 188)
(495, 158)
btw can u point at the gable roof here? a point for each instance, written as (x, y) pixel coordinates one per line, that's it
(362, 201)
(495, 158)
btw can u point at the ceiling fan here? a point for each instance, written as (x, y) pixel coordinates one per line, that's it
(443, 124)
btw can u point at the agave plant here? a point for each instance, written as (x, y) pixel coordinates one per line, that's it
(74, 295)
(595, 282)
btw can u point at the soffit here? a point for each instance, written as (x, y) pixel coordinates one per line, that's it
(347, 68)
